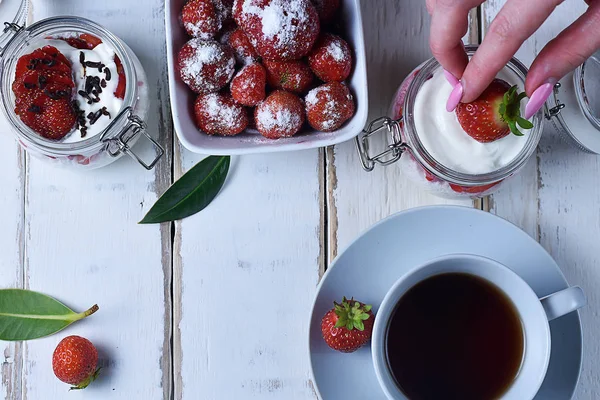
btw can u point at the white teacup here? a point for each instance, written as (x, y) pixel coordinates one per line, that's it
(533, 312)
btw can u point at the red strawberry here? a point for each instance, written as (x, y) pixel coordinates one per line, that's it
(331, 58)
(52, 119)
(74, 362)
(120, 90)
(326, 9)
(200, 19)
(294, 76)
(244, 51)
(85, 41)
(219, 114)
(329, 106)
(473, 189)
(280, 115)
(39, 60)
(55, 53)
(348, 326)
(248, 86)
(495, 114)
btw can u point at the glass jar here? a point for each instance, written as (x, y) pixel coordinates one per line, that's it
(574, 110)
(404, 144)
(121, 133)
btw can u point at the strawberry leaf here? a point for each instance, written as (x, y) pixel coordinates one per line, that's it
(513, 128)
(523, 123)
(359, 325)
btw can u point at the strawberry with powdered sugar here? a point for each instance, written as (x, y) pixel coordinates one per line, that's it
(278, 29)
(280, 115)
(206, 66)
(248, 86)
(219, 114)
(329, 106)
(331, 58)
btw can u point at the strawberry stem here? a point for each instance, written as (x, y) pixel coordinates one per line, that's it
(510, 111)
(351, 314)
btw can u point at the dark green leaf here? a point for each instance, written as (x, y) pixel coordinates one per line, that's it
(521, 97)
(193, 192)
(514, 129)
(26, 315)
(523, 123)
(350, 325)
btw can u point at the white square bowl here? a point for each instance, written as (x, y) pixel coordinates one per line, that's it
(249, 142)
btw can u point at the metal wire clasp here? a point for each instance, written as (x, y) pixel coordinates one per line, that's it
(120, 143)
(10, 26)
(554, 111)
(394, 144)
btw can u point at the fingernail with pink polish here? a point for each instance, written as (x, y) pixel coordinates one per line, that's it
(450, 78)
(538, 98)
(455, 97)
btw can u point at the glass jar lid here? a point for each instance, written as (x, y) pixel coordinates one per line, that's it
(13, 14)
(575, 107)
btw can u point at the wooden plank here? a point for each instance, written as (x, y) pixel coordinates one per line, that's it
(245, 272)
(83, 244)
(12, 181)
(396, 35)
(555, 199)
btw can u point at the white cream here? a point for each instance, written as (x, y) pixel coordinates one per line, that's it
(446, 141)
(106, 55)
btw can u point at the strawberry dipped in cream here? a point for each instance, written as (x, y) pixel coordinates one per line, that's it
(479, 137)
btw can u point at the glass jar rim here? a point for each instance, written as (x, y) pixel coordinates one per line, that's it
(53, 26)
(418, 150)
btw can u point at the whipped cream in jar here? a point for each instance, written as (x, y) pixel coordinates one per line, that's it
(432, 147)
(74, 93)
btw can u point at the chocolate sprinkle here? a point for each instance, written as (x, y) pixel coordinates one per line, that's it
(42, 80)
(105, 112)
(103, 83)
(108, 74)
(94, 64)
(86, 96)
(93, 117)
(35, 109)
(59, 94)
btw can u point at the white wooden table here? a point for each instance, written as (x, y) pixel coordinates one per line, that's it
(216, 306)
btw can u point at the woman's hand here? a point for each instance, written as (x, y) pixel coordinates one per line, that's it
(514, 24)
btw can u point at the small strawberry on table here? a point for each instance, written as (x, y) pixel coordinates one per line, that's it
(74, 362)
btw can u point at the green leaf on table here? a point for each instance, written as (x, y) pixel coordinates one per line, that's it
(193, 192)
(26, 315)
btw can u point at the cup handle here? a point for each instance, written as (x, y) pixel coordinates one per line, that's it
(564, 302)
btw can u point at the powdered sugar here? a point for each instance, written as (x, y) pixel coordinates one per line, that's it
(275, 118)
(206, 66)
(337, 51)
(228, 114)
(283, 24)
(329, 106)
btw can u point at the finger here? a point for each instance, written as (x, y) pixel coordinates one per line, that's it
(449, 24)
(430, 6)
(515, 23)
(570, 49)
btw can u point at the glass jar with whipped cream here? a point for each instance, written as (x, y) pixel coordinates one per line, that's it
(433, 148)
(74, 93)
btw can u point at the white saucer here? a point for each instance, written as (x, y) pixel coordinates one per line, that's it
(372, 263)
